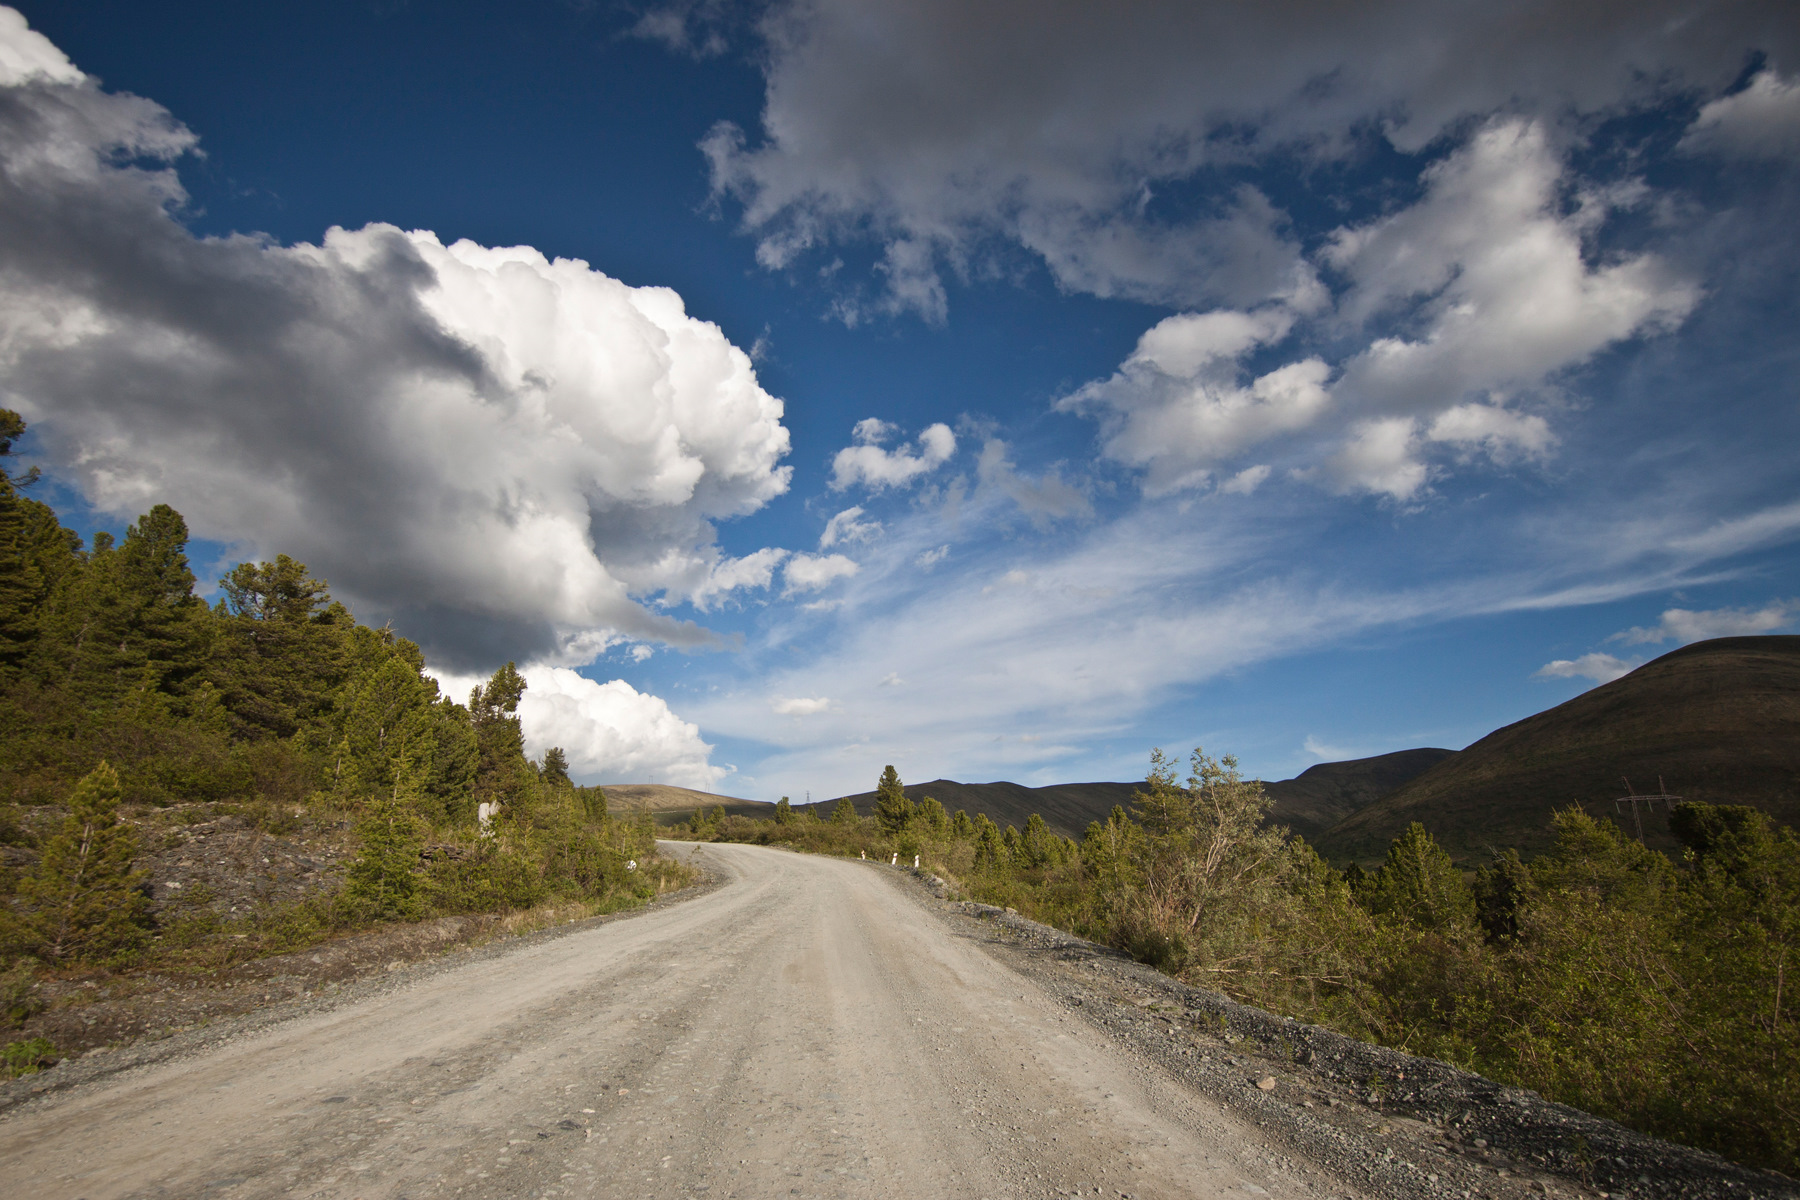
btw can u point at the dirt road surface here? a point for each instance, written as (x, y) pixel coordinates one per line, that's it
(811, 1028)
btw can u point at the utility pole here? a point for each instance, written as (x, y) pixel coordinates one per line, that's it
(1632, 798)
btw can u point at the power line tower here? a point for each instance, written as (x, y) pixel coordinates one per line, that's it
(1650, 802)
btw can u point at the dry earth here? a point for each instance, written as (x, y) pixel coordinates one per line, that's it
(812, 1027)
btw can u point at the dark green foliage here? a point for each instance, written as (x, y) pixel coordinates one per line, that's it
(83, 895)
(1419, 884)
(383, 880)
(844, 812)
(119, 687)
(555, 770)
(503, 776)
(784, 812)
(892, 809)
(1500, 891)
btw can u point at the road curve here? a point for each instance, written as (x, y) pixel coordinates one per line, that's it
(811, 1028)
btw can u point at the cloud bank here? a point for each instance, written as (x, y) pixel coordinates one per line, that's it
(946, 130)
(611, 732)
(502, 452)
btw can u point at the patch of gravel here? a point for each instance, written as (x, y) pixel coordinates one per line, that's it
(1387, 1122)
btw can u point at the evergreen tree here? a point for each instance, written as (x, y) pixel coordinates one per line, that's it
(1038, 847)
(844, 813)
(383, 879)
(1418, 883)
(35, 553)
(284, 648)
(784, 812)
(931, 816)
(83, 893)
(990, 854)
(960, 826)
(502, 774)
(892, 809)
(556, 768)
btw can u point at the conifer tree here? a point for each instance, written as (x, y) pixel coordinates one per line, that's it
(83, 893)
(930, 813)
(1038, 847)
(892, 809)
(960, 825)
(383, 879)
(844, 812)
(284, 648)
(556, 768)
(1418, 883)
(784, 812)
(502, 774)
(35, 553)
(989, 852)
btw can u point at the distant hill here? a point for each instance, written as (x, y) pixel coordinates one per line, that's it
(1320, 796)
(1718, 721)
(661, 797)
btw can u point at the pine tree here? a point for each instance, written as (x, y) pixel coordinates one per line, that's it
(383, 879)
(83, 893)
(892, 809)
(502, 775)
(35, 553)
(284, 648)
(784, 812)
(1418, 883)
(844, 813)
(556, 768)
(989, 852)
(1038, 848)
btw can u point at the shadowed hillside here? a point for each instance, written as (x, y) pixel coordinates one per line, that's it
(1323, 795)
(1320, 796)
(1718, 721)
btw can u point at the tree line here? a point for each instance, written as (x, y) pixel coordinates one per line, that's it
(1602, 974)
(123, 693)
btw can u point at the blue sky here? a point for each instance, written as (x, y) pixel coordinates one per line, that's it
(996, 390)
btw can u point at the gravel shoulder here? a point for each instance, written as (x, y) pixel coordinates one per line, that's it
(806, 1027)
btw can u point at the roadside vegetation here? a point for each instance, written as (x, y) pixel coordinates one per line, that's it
(129, 706)
(1601, 974)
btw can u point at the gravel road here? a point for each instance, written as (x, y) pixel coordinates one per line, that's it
(814, 1027)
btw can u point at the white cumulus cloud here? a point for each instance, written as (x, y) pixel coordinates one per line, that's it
(500, 451)
(866, 461)
(1496, 275)
(611, 732)
(1181, 403)
(810, 572)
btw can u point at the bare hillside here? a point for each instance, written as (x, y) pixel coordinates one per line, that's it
(1717, 721)
(662, 797)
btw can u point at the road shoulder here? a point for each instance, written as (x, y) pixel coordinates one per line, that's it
(1381, 1120)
